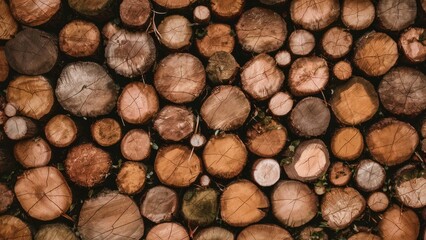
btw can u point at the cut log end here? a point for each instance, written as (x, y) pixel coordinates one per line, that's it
(131, 178)
(6, 198)
(214, 233)
(17, 128)
(340, 174)
(32, 13)
(227, 9)
(176, 4)
(266, 139)
(56, 230)
(201, 14)
(174, 123)
(369, 175)
(308, 76)
(218, 38)
(336, 42)
(222, 68)
(347, 143)
(159, 204)
(398, 223)
(358, 15)
(32, 152)
(4, 65)
(167, 231)
(79, 38)
(342, 70)
(266, 172)
(200, 206)
(136, 145)
(197, 140)
(283, 58)
(301, 42)
(378, 201)
(61, 131)
(414, 48)
(175, 32)
(14, 228)
(394, 15)
(135, 13)
(280, 104)
(315, 15)
(106, 132)
(8, 27)
(310, 117)
(264, 231)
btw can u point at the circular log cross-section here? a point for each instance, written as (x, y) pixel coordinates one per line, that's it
(60, 131)
(218, 38)
(159, 204)
(137, 103)
(32, 153)
(174, 123)
(280, 104)
(266, 172)
(342, 70)
(12, 227)
(310, 117)
(378, 201)
(200, 206)
(314, 15)
(79, 38)
(261, 78)
(4, 65)
(340, 174)
(222, 68)
(395, 15)
(135, 13)
(398, 223)
(308, 76)
(131, 178)
(136, 145)
(347, 143)
(32, 52)
(227, 9)
(358, 15)
(410, 189)
(263, 232)
(180, 78)
(32, 96)
(369, 175)
(43, 193)
(98, 10)
(301, 42)
(55, 231)
(34, 13)
(85, 89)
(364, 236)
(167, 231)
(175, 4)
(177, 166)
(261, 30)
(8, 25)
(106, 132)
(6, 198)
(243, 203)
(87, 165)
(266, 140)
(414, 48)
(17, 128)
(110, 215)
(227, 108)
(201, 14)
(130, 54)
(214, 233)
(283, 58)
(108, 30)
(391, 141)
(175, 32)
(336, 42)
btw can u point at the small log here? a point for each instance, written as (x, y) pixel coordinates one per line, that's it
(159, 204)
(8, 25)
(336, 42)
(218, 37)
(3, 119)
(180, 78)
(14, 228)
(261, 30)
(399, 99)
(391, 141)
(175, 32)
(176, 4)
(283, 58)
(293, 203)
(87, 165)
(86, 90)
(177, 166)
(398, 223)
(136, 145)
(310, 117)
(200, 206)
(31, 96)
(369, 175)
(6, 198)
(130, 54)
(412, 46)
(340, 174)
(205, 181)
(261, 78)
(264, 231)
(378, 201)
(315, 15)
(410, 188)
(243, 203)
(32, 152)
(308, 76)
(358, 15)
(309, 233)
(98, 10)
(106, 132)
(266, 172)
(214, 233)
(394, 15)
(60, 131)
(10, 110)
(201, 14)
(169, 230)
(7, 163)
(280, 104)
(355, 102)
(310, 161)
(266, 140)
(174, 123)
(79, 38)
(341, 206)
(197, 140)
(4, 65)
(225, 156)
(108, 30)
(227, 108)
(301, 42)
(227, 9)
(55, 231)
(222, 68)
(375, 53)
(347, 143)
(17, 128)
(34, 13)
(43, 193)
(342, 70)
(137, 103)
(131, 178)
(364, 236)
(110, 215)
(135, 13)
(32, 52)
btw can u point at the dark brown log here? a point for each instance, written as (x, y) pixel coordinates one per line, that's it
(55, 231)
(200, 206)
(280, 104)
(261, 30)
(79, 38)
(136, 145)
(310, 117)
(347, 143)
(315, 15)
(398, 223)
(32, 52)
(222, 68)
(60, 131)
(17, 128)
(180, 77)
(176, 4)
(201, 14)
(87, 165)
(340, 174)
(167, 231)
(358, 15)
(227, 9)
(364, 236)
(261, 78)
(272, 2)
(413, 47)
(395, 15)
(110, 215)
(8, 25)
(218, 37)
(301, 42)
(131, 178)
(283, 58)
(369, 175)
(4, 65)
(14, 228)
(308, 76)
(106, 132)
(266, 172)
(214, 233)
(378, 201)
(410, 187)
(399, 99)
(309, 233)
(130, 54)
(336, 42)
(266, 140)
(159, 204)
(174, 123)
(34, 13)
(6, 198)
(227, 108)
(135, 13)
(342, 70)
(175, 32)
(32, 152)
(99, 9)
(263, 232)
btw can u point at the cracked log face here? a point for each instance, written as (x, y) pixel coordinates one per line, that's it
(342, 70)
(378, 201)
(301, 42)
(85, 89)
(336, 42)
(14, 228)
(358, 15)
(159, 204)
(214, 233)
(264, 232)
(314, 15)
(43, 193)
(8, 25)
(403, 91)
(200, 206)
(293, 203)
(261, 30)
(222, 68)
(34, 13)
(399, 223)
(4, 65)
(174, 122)
(135, 13)
(110, 215)
(6, 198)
(79, 38)
(31, 153)
(180, 77)
(131, 178)
(410, 187)
(310, 117)
(266, 172)
(175, 32)
(341, 206)
(308, 76)
(243, 203)
(391, 141)
(106, 132)
(369, 175)
(55, 231)
(60, 131)
(266, 140)
(218, 38)
(395, 15)
(227, 9)
(175, 4)
(414, 48)
(136, 145)
(280, 104)
(347, 143)
(167, 231)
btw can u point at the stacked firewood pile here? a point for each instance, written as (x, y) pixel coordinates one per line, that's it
(212, 119)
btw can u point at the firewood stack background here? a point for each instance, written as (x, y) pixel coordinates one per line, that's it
(212, 119)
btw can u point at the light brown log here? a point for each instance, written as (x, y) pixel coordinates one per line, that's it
(227, 9)
(280, 104)
(263, 232)
(10, 110)
(137, 103)
(266, 140)
(136, 145)
(108, 30)
(98, 10)
(79, 38)
(315, 15)
(6, 198)
(358, 15)
(347, 143)
(4, 65)
(301, 42)
(17, 128)
(261, 78)
(175, 32)
(205, 181)
(261, 30)
(395, 15)
(336, 42)
(131, 178)
(106, 132)
(243, 203)
(313, 232)
(308, 76)
(293, 203)
(410, 187)
(364, 236)
(135, 13)
(177, 165)
(398, 223)
(378, 201)
(225, 156)
(8, 25)
(310, 117)
(369, 175)
(375, 53)
(200, 206)
(33, 152)
(87, 165)
(176, 4)
(201, 14)
(43, 193)
(222, 68)
(266, 172)
(159, 204)
(60, 131)
(214, 233)
(167, 231)
(180, 77)
(340, 174)
(342, 70)
(227, 108)
(423, 129)
(34, 13)
(14, 228)
(283, 58)
(55, 231)
(413, 47)
(218, 37)
(391, 141)
(110, 215)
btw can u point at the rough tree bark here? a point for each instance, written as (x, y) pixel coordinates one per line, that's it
(4, 65)
(136, 145)
(60, 131)
(79, 38)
